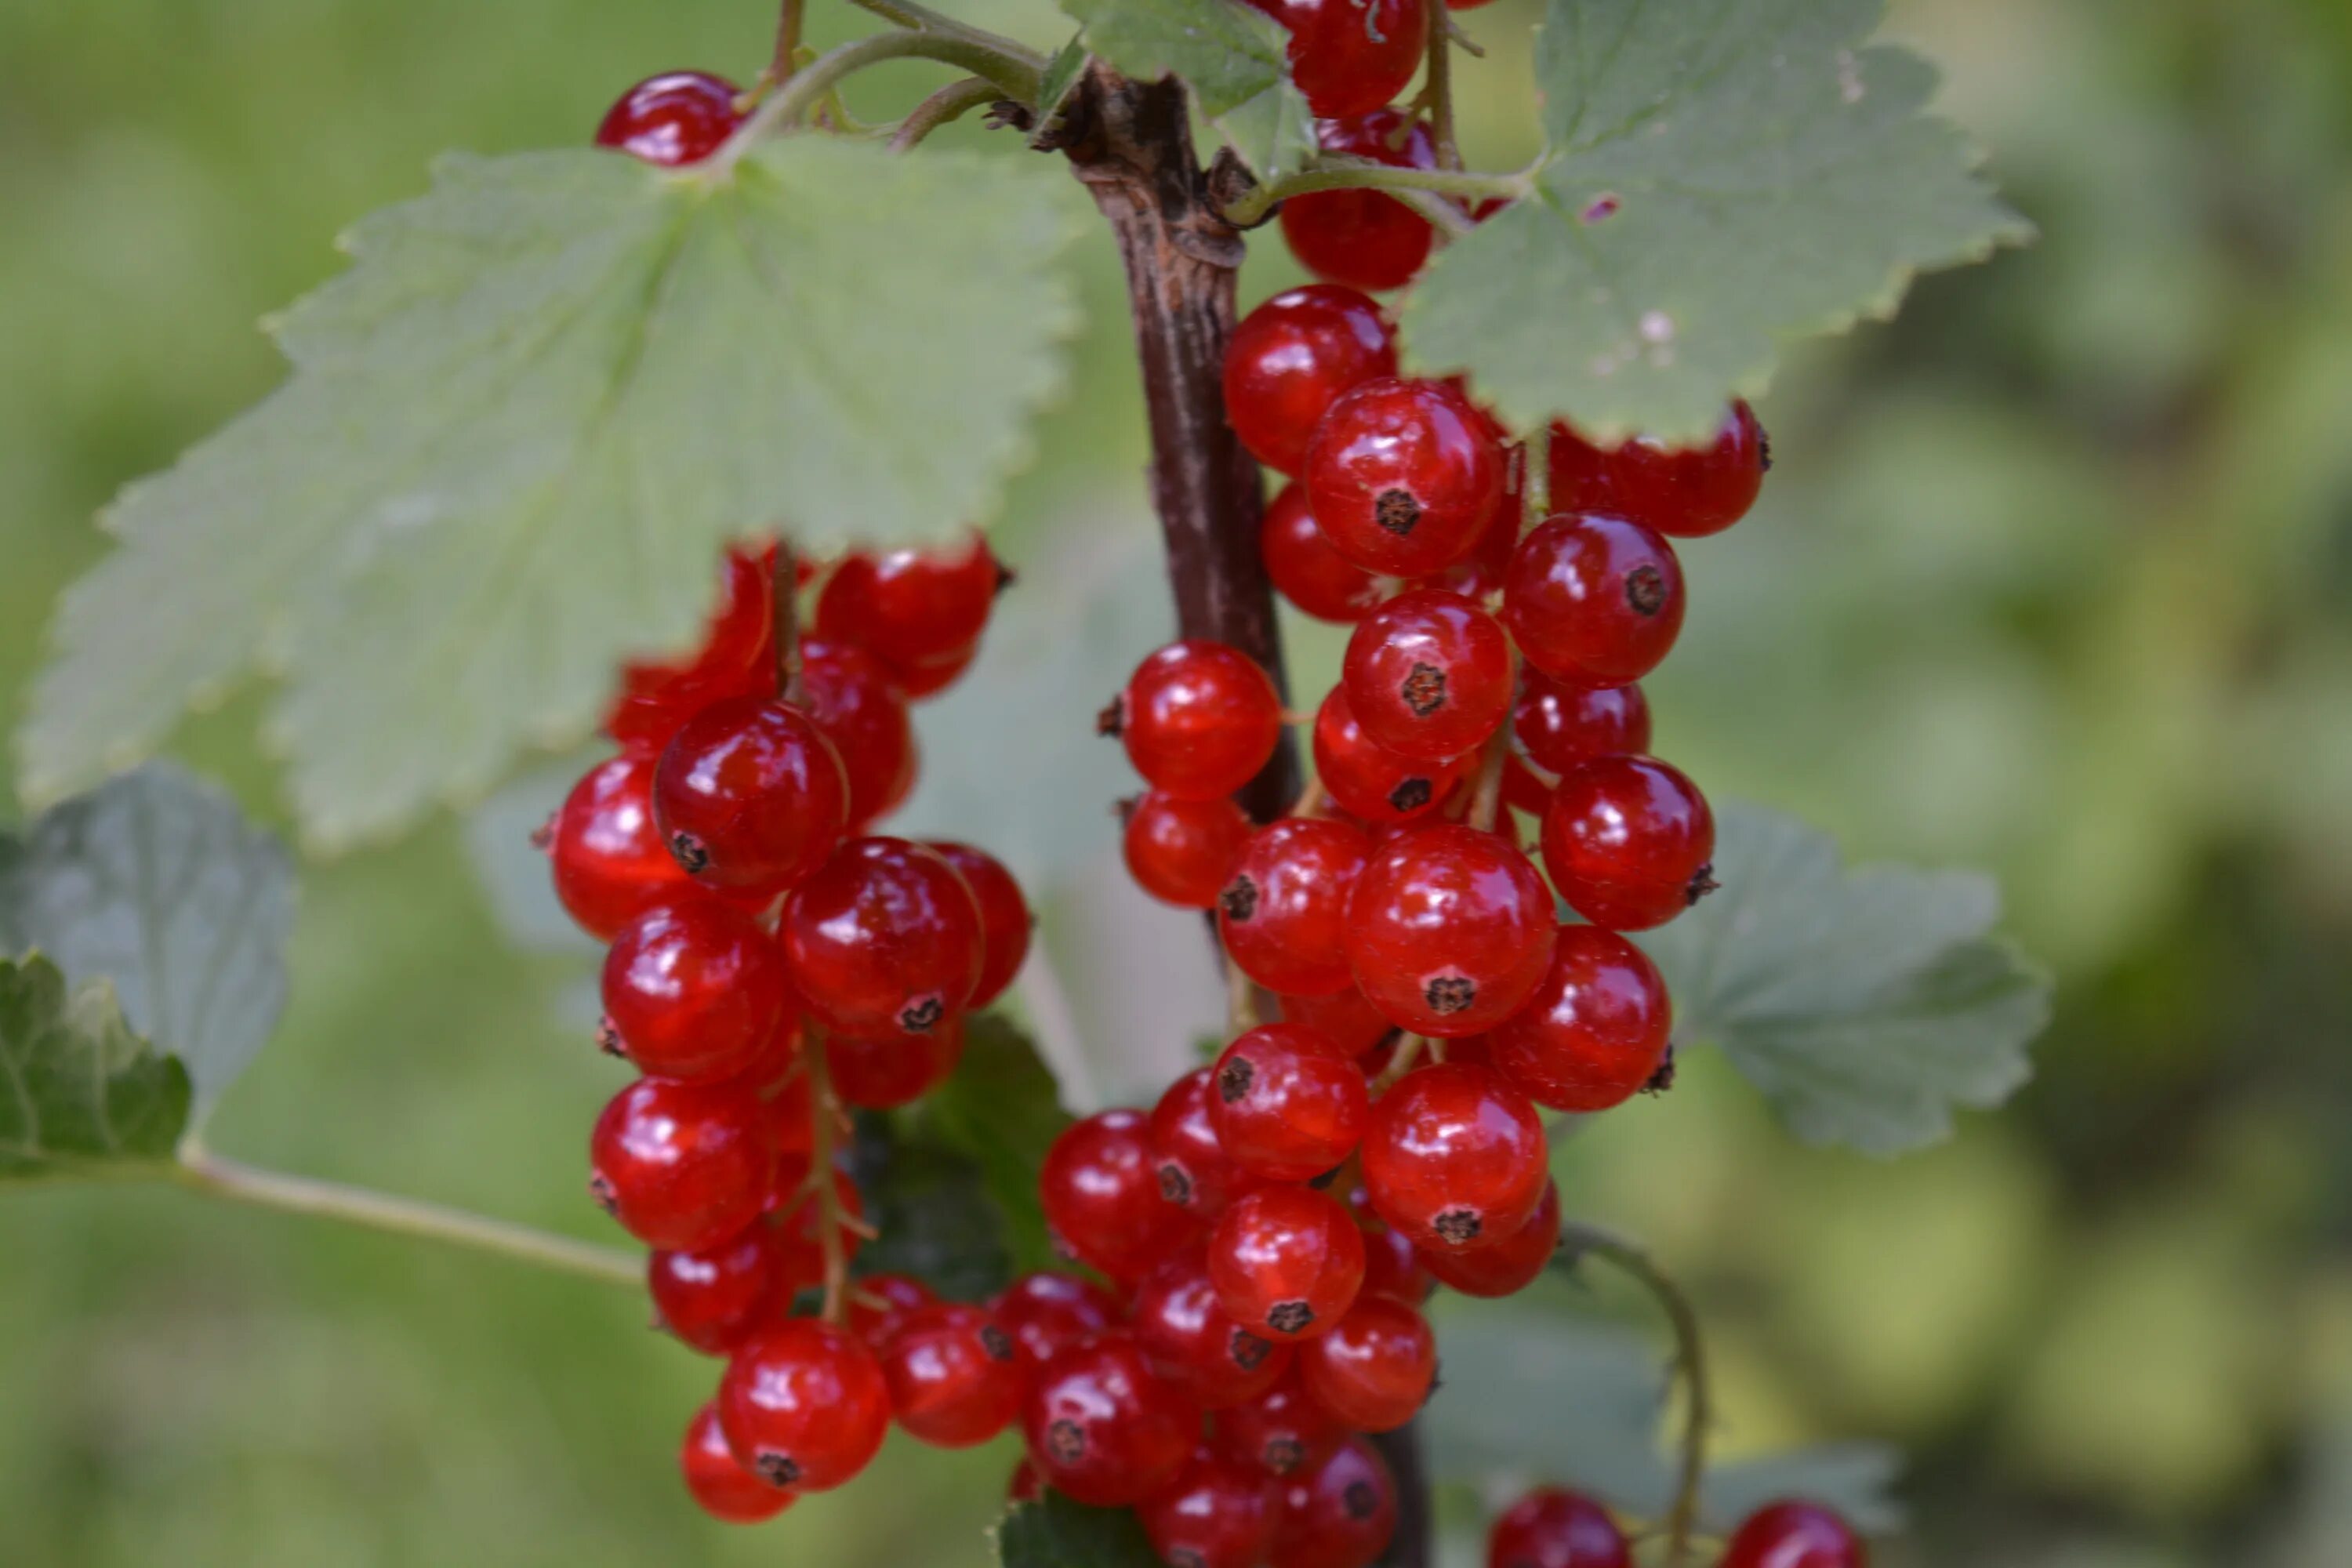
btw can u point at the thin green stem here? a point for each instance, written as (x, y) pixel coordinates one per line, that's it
(1450, 221)
(1437, 85)
(1486, 797)
(1346, 174)
(904, 13)
(788, 40)
(1015, 75)
(823, 1109)
(951, 103)
(205, 1172)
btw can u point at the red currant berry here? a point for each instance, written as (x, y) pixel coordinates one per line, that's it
(1196, 1174)
(1558, 725)
(1306, 568)
(1404, 475)
(1593, 600)
(1047, 1313)
(898, 1069)
(1552, 1527)
(881, 1302)
(1289, 1105)
(1024, 1485)
(1581, 477)
(711, 1299)
(694, 989)
(1375, 1369)
(723, 1489)
(954, 1376)
(1455, 1157)
(1393, 1265)
(1350, 57)
(1199, 718)
(1281, 1431)
(608, 858)
(1629, 842)
(1005, 922)
(1364, 239)
(675, 119)
(1795, 1535)
(1341, 1513)
(1344, 1018)
(736, 658)
(1449, 930)
(1181, 851)
(917, 611)
(1428, 675)
(1102, 1428)
(1291, 357)
(1595, 1030)
(1481, 572)
(884, 941)
(750, 796)
(682, 1166)
(850, 695)
(1217, 1513)
(1286, 1261)
(1282, 915)
(1100, 1188)
(1694, 490)
(1512, 1263)
(803, 1405)
(1366, 779)
(1195, 1343)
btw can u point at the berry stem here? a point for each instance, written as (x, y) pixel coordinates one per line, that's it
(1487, 795)
(1241, 1002)
(1438, 85)
(1013, 69)
(1535, 479)
(784, 608)
(1336, 173)
(208, 1173)
(951, 103)
(788, 41)
(824, 1109)
(1407, 1056)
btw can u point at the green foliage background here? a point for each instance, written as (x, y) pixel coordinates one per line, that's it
(2055, 576)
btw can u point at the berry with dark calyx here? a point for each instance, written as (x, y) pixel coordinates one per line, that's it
(1198, 719)
(1375, 1369)
(1455, 1157)
(1306, 568)
(1217, 1513)
(897, 1070)
(682, 1166)
(1366, 779)
(737, 658)
(1282, 913)
(1403, 476)
(1629, 842)
(1290, 358)
(1100, 1190)
(712, 1299)
(1344, 1018)
(1181, 851)
(1552, 1527)
(672, 120)
(695, 989)
(885, 940)
(609, 862)
(1196, 1174)
(1194, 1342)
(1340, 1514)
(954, 1377)
(1288, 1103)
(1692, 491)
(1449, 930)
(1005, 922)
(803, 1405)
(850, 695)
(1509, 1265)
(920, 612)
(723, 1489)
(1102, 1427)
(1559, 725)
(1287, 1261)
(1364, 239)
(1350, 57)
(750, 796)
(1047, 1313)
(1795, 1535)
(880, 1302)
(1281, 1431)
(1428, 675)
(1593, 600)
(1595, 1030)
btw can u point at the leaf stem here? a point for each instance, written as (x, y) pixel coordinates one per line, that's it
(1014, 70)
(1406, 1056)
(788, 40)
(924, 19)
(1438, 84)
(951, 103)
(1336, 173)
(822, 1110)
(205, 1172)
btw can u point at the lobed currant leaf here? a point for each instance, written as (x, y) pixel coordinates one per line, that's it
(1000, 1111)
(1231, 56)
(935, 1217)
(80, 1093)
(1052, 1531)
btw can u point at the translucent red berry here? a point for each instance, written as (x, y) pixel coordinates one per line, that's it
(1102, 1427)
(1199, 718)
(1596, 1029)
(954, 1375)
(1005, 922)
(1344, 1018)
(1350, 57)
(880, 1302)
(897, 1069)
(750, 796)
(1183, 851)
(1281, 1431)
(850, 695)
(1629, 842)
(1374, 1369)
(1289, 1104)
(1559, 725)
(1047, 1313)
(920, 612)
(1510, 1265)
(1196, 1174)
(711, 1299)
(803, 1405)
(682, 1166)
(1364, 239)
(1282, 913)
(609, 862)
(1100, 1190)
(1689, 491)
(735, 658)
(1449, 930)
(884, 941)
(1194, 1342)
(1339, 1513)
(1287, 1261)
(677, 117)
(694, 989)
(723, 1489)
(1291, 357)
(1307, 568)
(1428, 675)
(1455, 1158)
(1552, 1527)
(1367, 780)
(1795, 1535)
(1217, 1513)
(1404, 475)
(1593, 600)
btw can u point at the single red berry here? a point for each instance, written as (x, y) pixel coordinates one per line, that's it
(1449, 930)
(735, 658)
(1629, 842)
(694, 989)
(750, 796)
(1199, 718)
(1024, 1485)
(1480, 573)
(1795, 1535)
(723, 1489)
(880, 1302)
(1306, 568)
(681, 1166)
(1102, 1428)
(1509, 1265)
(711, 1299)
(1339, 1514)
(1593, 600)
(1428, 675)
(1375, 1369)
(1289, 1103)
(1287, 1261)
(1393, 1265)
(917, 611)
(850, 695)
(1559, 725)
(1217, 1513)
(803, 1405)
(897, 1070)
(608, 858)
(1366, 779)
(1455, 1157)
(1581, 475)
(1281, 1431)
(1047, 1313)
(1100, 1189)
(1364, 239)
(1552, 1527)
(1344, 1018)
(1195, 1343)
(1283, 914)
(1350, 57)
(1403, 476)
(1005, 922)
(672, 120)
(1291, 357)
(1595, 1030)
(1691, 491)
(1196, 1174)
(885, 940)
(954, 1378)
(1181, 851)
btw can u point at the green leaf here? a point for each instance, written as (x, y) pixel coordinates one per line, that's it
(1772, 176)
(518, 431)
(1231, 55)
(81, 1094)
(1059, 80)
(1054, 1532)
(1000, 1108)
(156, 884)
(936, 1220)
(1864, 1004)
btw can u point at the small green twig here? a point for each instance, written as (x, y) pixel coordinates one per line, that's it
(823, 1109)
(1407, 1056)
(788, 40)
(1487, 795)
(1450, 221)
(951, 103)
(1016, 76)
(1334, 174)
(1437, 87)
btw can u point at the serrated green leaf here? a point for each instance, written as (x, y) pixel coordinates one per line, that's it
(518, 431)
(1001, 1110)
(1272, 131)
(1231, 56)
(1059, 79)
(1771, 176)
(80, 1095)
(937, 1223)
(156, 884)
(1864, 1004)
(1054, 1532)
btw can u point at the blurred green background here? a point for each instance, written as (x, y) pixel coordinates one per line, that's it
(2054, 576)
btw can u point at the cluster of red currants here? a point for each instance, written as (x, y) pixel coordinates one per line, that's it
(1554, 1528)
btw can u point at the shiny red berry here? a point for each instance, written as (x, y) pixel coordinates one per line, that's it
(695, 989)
(750, 796)
(1367, 780)
(803, 1405)
(1287, 1261)
(954, 1378)
(1374, 1369)
(1281, 1431)
(1100, 1189)
(735, 658)
(920, 612)
(1449, 930)
(1455, 1157)
(1307, 568)
(1289, 1104)
(1350, 57)
(609, 862)
(1047, 1313)
(1428, 675)
(1690, 492)
(1102, 1427)
(1629, 842)
(723, 1489)
(1291, 357)
(1282, 913)
(885, 940)
(1596, 1029)
(1795, 1535)
(1552, 1527)
(1196, 1174)
(1510, 1265)
(1199, 718)
(1344, 1018)
(1593, 600)
(1404, 475)
(1339, 1514)
(682, 1166)
(850, 695)
(1559, 725)
(1195, 1343)
(1005, 922)
(896, 1070)
(674, 118)
(1217, 1513)
(880, 1302)
(711, 1299)
(1181, 851)
(1364, 239)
